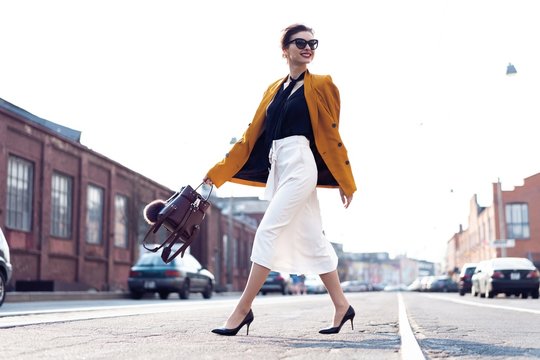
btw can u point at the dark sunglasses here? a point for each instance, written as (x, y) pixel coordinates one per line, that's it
(301, 43)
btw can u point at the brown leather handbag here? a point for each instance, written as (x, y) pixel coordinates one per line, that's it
(182, 215)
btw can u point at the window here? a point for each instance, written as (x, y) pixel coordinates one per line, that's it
(94, 215)
(517, 221)
(61, 205)
(120, 221)
(142, 225)
(20, 179)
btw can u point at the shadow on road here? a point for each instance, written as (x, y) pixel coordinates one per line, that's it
(460, 348)
(390, 342)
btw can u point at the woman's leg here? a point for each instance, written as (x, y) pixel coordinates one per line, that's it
(341, 304)
(256, 279)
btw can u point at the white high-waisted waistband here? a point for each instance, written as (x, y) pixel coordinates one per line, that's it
(277, 146)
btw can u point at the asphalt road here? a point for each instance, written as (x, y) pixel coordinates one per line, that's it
(285, 327)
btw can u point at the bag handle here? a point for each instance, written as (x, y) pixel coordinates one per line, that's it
(209, 193)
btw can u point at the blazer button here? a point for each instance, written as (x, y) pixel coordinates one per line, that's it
(340, 144)
(334, 125)
(227, 155)
(347, 162)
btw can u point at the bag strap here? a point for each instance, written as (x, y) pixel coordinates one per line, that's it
(167, 251)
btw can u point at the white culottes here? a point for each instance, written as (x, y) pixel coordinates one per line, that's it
(290, 237)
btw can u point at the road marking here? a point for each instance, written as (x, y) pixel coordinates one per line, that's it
(409, 346)
(473, 303)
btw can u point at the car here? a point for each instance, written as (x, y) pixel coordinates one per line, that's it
(425, 281)
(416, 285)
(277, 282)
(355, 286)
(183, 275)
(5, 267)
(465, 275)
(508, 275)
(314, 285)
(396, 287)
(442, 283)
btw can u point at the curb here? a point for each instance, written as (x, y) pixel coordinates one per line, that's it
(13, 297)
(20, 296)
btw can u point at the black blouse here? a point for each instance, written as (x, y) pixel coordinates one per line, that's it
(292, 119)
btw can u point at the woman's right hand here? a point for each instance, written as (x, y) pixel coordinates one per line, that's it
(345, 199)
(208, 181)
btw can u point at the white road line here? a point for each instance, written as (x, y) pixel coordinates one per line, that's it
(473, 303)
(410, 350)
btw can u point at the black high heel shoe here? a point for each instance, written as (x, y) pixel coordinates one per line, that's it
(349, 315)
(231, 332)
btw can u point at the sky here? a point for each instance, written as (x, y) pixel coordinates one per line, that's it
(428, 115)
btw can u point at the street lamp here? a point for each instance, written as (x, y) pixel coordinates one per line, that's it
(511, 70)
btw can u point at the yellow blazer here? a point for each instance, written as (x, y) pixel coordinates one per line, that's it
(323, 102)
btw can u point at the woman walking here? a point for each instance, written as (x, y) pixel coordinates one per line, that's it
(292, 146)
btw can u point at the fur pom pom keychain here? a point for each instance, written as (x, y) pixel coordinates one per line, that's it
(152, 209)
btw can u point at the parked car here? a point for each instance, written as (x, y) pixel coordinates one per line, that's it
(355, 286)
(509, 276)
(277, 282)
(425, 281)
(5, 266)
(416, 285)
(183, 275)
(442, 283)
(396, 287)
(465, 275)
(314, 285)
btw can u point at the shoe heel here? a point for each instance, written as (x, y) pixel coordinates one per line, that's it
(352, 325)
(247, 328)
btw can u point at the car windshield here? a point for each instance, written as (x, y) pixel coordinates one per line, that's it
(149, 260)
(502, 263)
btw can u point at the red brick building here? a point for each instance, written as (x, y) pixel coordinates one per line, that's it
(72, 217)
(514, 215)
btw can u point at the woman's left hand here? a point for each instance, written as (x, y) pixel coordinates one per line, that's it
(345, 199)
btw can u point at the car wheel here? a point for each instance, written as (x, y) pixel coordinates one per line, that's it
(208, 291)
(535, 294)
(284, 290)
(163, 295)
(524, 295)
(2, 288)
(136, 295)
(490, 293)
(184, 291)
(263, 292)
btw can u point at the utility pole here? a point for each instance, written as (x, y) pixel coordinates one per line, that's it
(229, 257)
(501, 218)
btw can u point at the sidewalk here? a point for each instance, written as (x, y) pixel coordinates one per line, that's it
(29, 296)
(20, 296)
